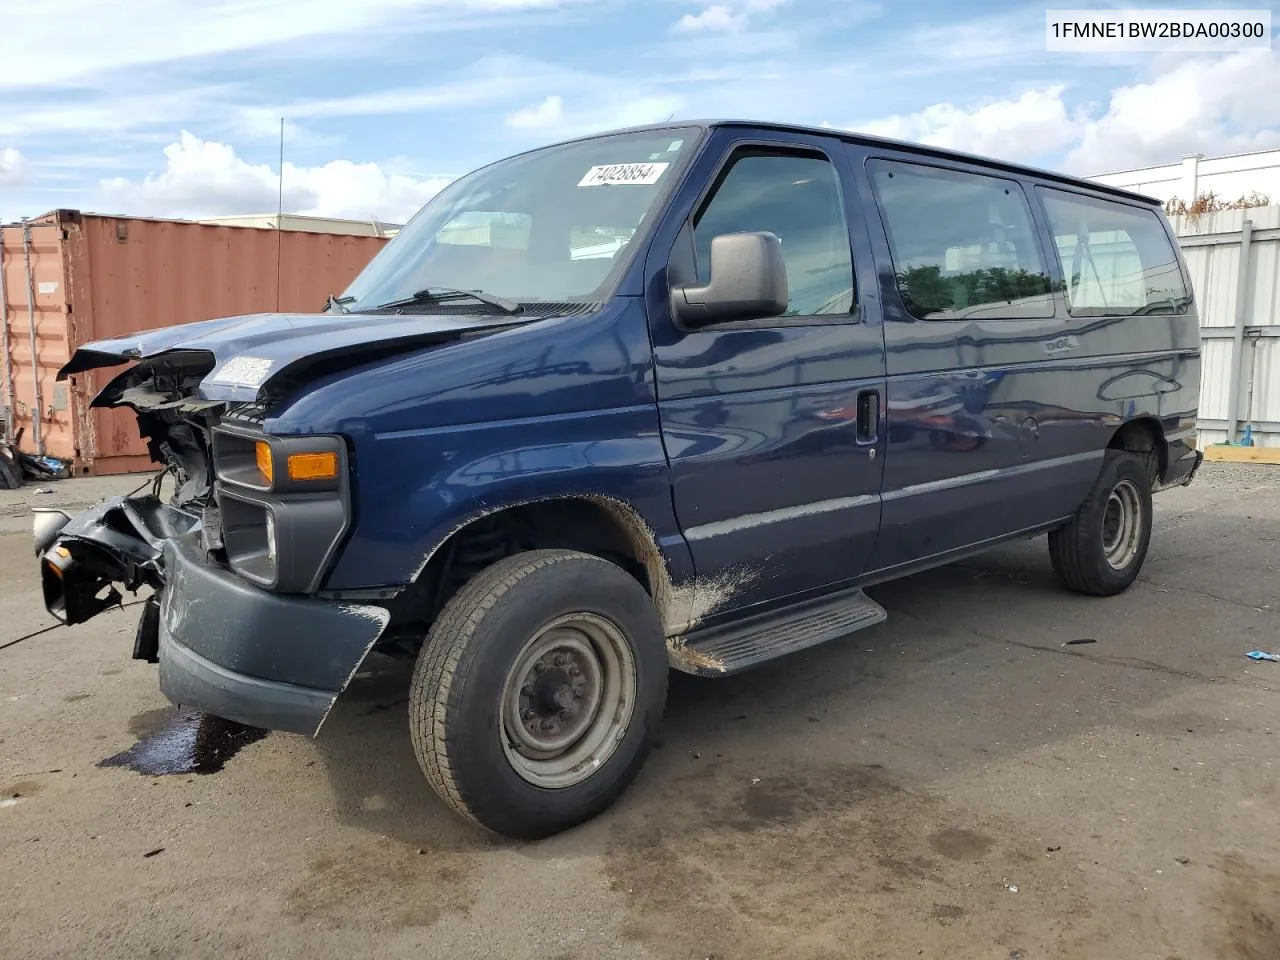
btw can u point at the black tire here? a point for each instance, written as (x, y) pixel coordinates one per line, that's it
(461, 691)
(1088, 554)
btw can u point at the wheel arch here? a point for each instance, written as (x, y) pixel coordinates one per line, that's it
(601, 525)
(1144, 435)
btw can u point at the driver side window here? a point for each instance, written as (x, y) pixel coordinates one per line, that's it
(797, 197)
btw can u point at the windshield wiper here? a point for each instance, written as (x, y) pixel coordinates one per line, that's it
(440, 294)
(338, 303)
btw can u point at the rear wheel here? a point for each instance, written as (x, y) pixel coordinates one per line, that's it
(1102, 549)
(538, 692)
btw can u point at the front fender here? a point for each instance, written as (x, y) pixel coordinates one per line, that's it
(415, 488)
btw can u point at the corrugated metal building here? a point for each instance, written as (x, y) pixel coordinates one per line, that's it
(1228, 177)
(1234, 259)
(70, 278)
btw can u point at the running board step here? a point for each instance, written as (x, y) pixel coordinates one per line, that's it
(718, 651)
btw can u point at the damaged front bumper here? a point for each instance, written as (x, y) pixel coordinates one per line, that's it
(224, 646)
(239, 652)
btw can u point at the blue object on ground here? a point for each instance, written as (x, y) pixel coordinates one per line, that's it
(1262, 655)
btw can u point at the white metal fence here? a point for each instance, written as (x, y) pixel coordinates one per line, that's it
(1234, 259)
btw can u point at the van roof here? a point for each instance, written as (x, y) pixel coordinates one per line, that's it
(905, 145)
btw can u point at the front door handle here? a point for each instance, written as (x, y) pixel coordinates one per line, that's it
(868, 416)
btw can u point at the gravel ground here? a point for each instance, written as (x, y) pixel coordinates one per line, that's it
(953, 783)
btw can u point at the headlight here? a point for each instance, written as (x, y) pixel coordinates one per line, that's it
(46, 524)
(284, 503)
(309, 464)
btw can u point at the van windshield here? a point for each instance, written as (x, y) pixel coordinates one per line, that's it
(554, 225)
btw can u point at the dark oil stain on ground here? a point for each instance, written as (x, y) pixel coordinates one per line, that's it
(957, 844)
(186, 742)
(19, 790)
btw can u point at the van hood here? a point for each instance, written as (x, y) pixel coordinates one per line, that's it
(238, 358)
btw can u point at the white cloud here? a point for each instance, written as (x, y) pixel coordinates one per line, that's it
(1000, 41)
(725, 17)
(204, 178)
(538, 115)
(110, 112)
(13, 167)
(143, 32)
(1209, 105)
(1214, 106)
(718, 17)
(1035, 123)
(492, 81)
(609, 109)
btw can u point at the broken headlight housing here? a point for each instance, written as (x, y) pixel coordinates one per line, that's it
(284, 505)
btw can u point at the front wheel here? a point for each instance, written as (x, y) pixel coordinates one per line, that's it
(1101, 550)
(538, 692)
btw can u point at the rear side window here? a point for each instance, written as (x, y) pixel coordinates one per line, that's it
(1116, 259)
(963, 245)
(796, 197)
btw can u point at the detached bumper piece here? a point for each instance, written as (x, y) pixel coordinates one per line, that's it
(118, 541)
(262, 659)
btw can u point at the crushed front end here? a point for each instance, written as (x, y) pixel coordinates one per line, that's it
(233, 556)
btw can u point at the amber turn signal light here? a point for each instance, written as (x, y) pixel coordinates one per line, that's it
(262, 450)
(313, 466)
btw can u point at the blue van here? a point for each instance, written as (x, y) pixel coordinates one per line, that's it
(667, 397)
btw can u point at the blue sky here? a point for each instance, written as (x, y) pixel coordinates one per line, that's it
(172, 107)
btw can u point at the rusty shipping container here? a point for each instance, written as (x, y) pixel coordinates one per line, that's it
(69, 278)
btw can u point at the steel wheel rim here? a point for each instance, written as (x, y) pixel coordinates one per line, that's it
(1121, 525)
(567, 700)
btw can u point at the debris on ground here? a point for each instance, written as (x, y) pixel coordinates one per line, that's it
(10, 469)
(44, 468)
(1072, 643)
(16, 466)
(1182, 860)
(1263, 655)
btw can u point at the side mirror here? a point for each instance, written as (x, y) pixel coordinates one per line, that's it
(748, 282)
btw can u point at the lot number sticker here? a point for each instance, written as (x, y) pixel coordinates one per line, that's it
(243, 371)
(613, 174)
